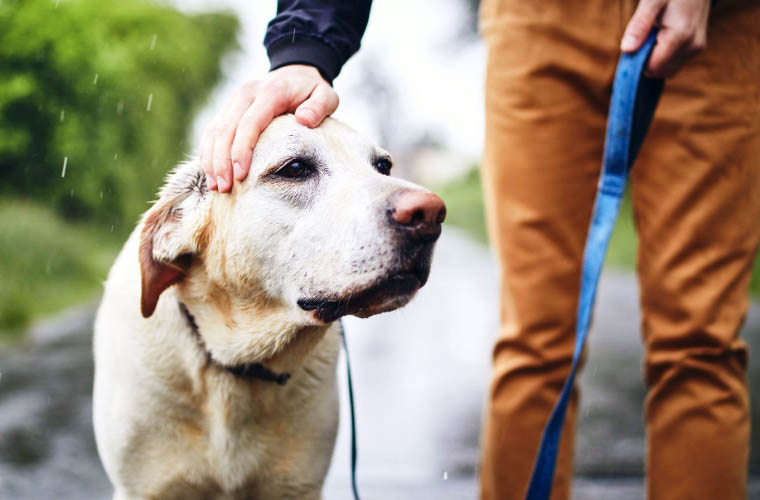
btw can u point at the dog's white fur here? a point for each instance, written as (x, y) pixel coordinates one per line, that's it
(170, 422)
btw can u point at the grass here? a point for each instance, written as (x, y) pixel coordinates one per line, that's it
(47, 263)
(464, 203)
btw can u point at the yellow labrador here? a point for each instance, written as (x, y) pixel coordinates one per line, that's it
(216, 341)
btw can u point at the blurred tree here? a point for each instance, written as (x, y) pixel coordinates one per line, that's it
(97, 98)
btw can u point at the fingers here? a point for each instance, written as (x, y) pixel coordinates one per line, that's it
(670, 54)
(667, 56)
(683, 33)
(226, 145)
(224, 132)
(641, 24)
(322, 102)
(220, 132)
(682, 36)
(205, 151)
(273, 100)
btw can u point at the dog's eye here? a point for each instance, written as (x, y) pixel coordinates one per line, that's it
(296, 169)
(383, 165)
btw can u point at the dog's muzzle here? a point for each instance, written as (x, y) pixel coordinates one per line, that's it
(415, 217)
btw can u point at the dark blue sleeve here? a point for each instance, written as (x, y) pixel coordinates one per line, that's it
(321, 33)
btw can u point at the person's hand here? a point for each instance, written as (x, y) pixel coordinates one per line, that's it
(682, 35)
(227, 143)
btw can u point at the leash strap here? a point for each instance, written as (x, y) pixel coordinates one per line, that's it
(634, 98)
(354, 488)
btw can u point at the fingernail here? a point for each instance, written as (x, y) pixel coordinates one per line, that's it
(210, 182)
(223, 184)
(237, 170)
(309, 116)
(629, 42)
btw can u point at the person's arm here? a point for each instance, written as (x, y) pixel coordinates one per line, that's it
(308, 43)
(682, 35)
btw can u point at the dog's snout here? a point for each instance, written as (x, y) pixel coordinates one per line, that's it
(418, 212)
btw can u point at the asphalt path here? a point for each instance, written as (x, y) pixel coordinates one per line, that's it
(420, 376)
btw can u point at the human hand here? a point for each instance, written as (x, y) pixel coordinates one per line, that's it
(682, 35)
(227, 143)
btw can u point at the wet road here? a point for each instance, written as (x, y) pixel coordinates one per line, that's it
(420, 376)
(47, 447)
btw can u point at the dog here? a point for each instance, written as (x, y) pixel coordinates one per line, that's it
(217, 338)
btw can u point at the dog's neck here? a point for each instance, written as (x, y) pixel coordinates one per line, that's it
(248, 371)
(254, 335)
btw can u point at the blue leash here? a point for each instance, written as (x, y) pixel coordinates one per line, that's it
(634, 98)
(354, 488)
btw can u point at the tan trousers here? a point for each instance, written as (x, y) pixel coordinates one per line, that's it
(696, 194)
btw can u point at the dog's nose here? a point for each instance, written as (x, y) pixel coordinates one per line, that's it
(418, 212)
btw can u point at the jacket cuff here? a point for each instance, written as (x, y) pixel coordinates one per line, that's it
(305, 50)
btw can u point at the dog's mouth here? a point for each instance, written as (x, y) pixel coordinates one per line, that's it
(385, 294)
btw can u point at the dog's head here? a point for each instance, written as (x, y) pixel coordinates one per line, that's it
(318, 227)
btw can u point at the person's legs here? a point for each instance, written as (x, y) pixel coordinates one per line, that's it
(696, 190)
(550, 65)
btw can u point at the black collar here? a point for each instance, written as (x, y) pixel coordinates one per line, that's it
(246, 371)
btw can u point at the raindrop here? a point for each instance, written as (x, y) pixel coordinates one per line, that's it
(153, 41)
(120, 107)
(101, 195)
(150, 101)
(56, 3)
(95, 80)
(445, 476)
(65, 161)
(115, 155)
(63, 115)
(112, 228)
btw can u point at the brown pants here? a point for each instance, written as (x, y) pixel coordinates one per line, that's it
(696, 193)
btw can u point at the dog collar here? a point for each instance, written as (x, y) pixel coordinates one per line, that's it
(247, 371)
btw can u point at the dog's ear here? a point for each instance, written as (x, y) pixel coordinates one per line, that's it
(161, 266)
(166, 241)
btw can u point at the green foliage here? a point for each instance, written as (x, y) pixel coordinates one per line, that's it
(464, 204)
(76, 77)
(76, 80)
(623, 242)
(47, 263)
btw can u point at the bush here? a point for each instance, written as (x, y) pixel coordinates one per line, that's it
(105, 90)
(110, 88)
(47, 263)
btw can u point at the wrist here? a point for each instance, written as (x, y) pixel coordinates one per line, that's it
(305, 51)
